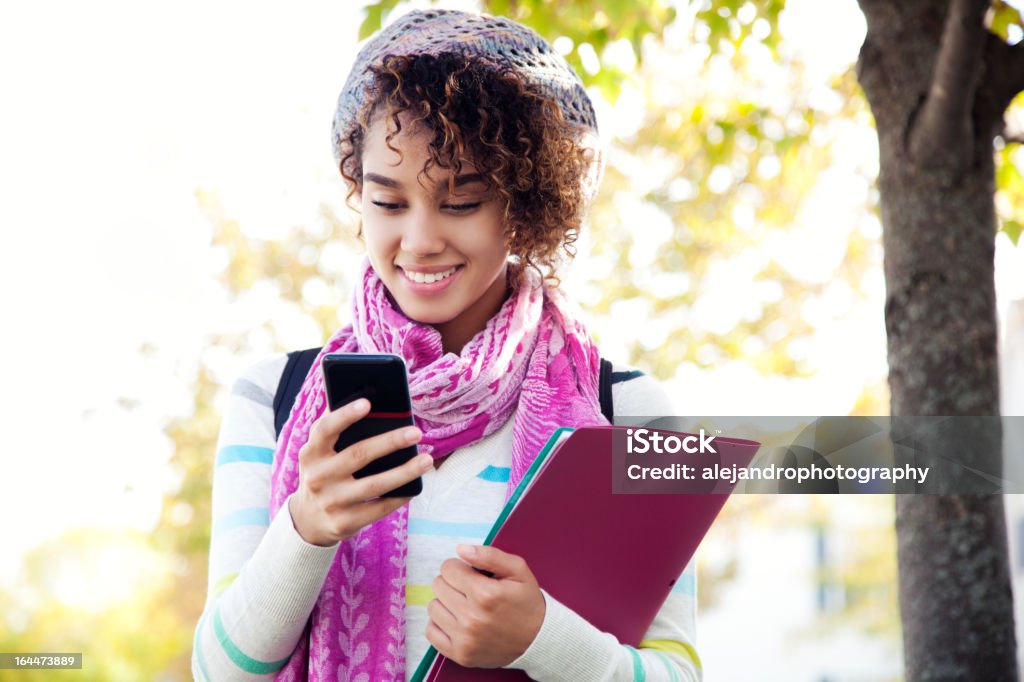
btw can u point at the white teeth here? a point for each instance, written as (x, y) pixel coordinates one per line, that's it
(428, 278)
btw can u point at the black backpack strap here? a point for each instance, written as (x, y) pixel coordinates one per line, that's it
(295, 371)
(604, 391)
(300, 362)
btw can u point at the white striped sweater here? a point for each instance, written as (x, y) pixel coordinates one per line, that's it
(264, 578)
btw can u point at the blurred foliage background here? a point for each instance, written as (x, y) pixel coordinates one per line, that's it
(721, 139)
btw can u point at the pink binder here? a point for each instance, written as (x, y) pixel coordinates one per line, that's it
(612, 558)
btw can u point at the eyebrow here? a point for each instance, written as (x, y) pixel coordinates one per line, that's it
(464, 179)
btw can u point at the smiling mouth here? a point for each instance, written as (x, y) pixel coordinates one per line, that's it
(429, 277)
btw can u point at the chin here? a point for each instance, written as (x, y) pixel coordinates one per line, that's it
(425, 314)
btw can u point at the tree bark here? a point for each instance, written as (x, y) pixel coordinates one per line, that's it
(924, 69)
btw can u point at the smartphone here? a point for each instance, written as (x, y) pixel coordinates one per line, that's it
(383, 381)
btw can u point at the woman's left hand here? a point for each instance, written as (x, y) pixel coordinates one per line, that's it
(483, 622)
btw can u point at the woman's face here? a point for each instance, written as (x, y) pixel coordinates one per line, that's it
(442, 256)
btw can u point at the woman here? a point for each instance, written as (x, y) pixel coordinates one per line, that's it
(469, 146)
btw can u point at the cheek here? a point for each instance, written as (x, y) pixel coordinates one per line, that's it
(490, 243)
(375, 237)
(378, 251)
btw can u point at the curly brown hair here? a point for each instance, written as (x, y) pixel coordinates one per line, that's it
(516, 138)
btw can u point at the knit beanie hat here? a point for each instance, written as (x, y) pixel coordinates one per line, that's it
(498, 40)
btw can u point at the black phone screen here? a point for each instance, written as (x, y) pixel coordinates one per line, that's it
(382, 380)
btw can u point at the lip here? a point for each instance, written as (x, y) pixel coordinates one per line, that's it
(428, 269)
(424, 288)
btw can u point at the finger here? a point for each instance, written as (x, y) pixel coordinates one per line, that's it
(358, 455)
(487, 558)
(460, 576)
(452, 599)
(439, 639)
(325, 430)
(362, 515)
(442, 617)
(370, 487)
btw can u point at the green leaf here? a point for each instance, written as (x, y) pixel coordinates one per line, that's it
(1003, 16)
(1012, 229)
(498, 7)
(617, 11)
(1008, 176)
(372, 22)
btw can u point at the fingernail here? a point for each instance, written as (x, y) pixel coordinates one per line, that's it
(360, 405)
(425, 462)
(411, 434)
(466, 550)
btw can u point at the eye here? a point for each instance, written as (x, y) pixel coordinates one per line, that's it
(386, 205)
(462, 207)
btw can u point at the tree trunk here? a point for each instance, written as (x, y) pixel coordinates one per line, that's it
(922, 70)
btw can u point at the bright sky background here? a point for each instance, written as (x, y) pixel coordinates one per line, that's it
(115, 113)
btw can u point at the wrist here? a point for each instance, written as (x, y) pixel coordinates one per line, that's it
(537, 622)
(536, 633)
(296, 512)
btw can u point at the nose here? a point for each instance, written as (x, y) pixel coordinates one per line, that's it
(422, 234)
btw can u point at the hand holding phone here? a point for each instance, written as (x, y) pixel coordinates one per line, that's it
(382, 380)
(343, 490)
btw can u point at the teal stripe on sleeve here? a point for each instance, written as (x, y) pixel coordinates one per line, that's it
(197, 646)
(638, 665)
(244, 453)
(495, 474)
(448, 529)
(252, 516)
(685, 585)
(673, 674)
(246, 663)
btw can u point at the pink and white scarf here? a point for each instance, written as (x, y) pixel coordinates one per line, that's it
(533, 353)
